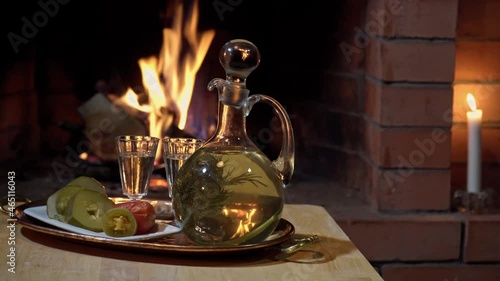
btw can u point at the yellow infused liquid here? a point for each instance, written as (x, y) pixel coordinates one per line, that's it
(228, 197)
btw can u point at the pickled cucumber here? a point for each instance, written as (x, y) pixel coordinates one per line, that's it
(86, 209)
(88, 183)
(57, 203)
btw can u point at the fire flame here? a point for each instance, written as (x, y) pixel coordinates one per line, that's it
(471, 101)
(169, 79)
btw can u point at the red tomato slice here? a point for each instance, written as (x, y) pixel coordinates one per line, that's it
(144, 213)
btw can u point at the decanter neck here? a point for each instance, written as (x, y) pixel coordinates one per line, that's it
(231, 127)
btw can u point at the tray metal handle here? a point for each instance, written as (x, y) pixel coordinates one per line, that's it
(297, 244)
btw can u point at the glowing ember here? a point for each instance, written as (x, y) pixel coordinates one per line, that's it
(169, 79)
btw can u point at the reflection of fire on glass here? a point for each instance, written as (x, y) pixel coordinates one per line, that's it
(245, 217)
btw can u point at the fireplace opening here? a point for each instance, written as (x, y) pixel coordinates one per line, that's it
(91, 48)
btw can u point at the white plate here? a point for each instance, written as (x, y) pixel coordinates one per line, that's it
(40, 213)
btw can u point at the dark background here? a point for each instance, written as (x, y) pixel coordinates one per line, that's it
(105, 38)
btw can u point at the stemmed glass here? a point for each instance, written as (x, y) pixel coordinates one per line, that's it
(175, 152)
(136, 157)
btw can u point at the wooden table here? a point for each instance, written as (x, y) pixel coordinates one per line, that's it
(333, 257)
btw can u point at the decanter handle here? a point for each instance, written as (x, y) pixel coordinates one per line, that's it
(284, 164)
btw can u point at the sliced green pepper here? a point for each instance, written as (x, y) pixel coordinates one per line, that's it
(119, 222)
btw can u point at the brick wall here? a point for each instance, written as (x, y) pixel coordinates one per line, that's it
(421, 60)
(36, 95)
(20, 131)
(477, 72)
(409, 70)
(57, 93)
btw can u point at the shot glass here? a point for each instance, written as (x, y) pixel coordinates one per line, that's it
(175, 153)
(136, 157)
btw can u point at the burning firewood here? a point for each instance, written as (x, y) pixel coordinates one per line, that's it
(103, 122)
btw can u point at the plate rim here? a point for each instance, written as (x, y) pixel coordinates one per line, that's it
(144, 237)
(153, 245)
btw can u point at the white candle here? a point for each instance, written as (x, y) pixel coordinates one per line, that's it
(474, 119)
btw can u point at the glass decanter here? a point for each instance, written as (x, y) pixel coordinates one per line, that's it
(228, 192)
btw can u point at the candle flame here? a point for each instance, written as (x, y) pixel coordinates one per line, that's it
(471, 101)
